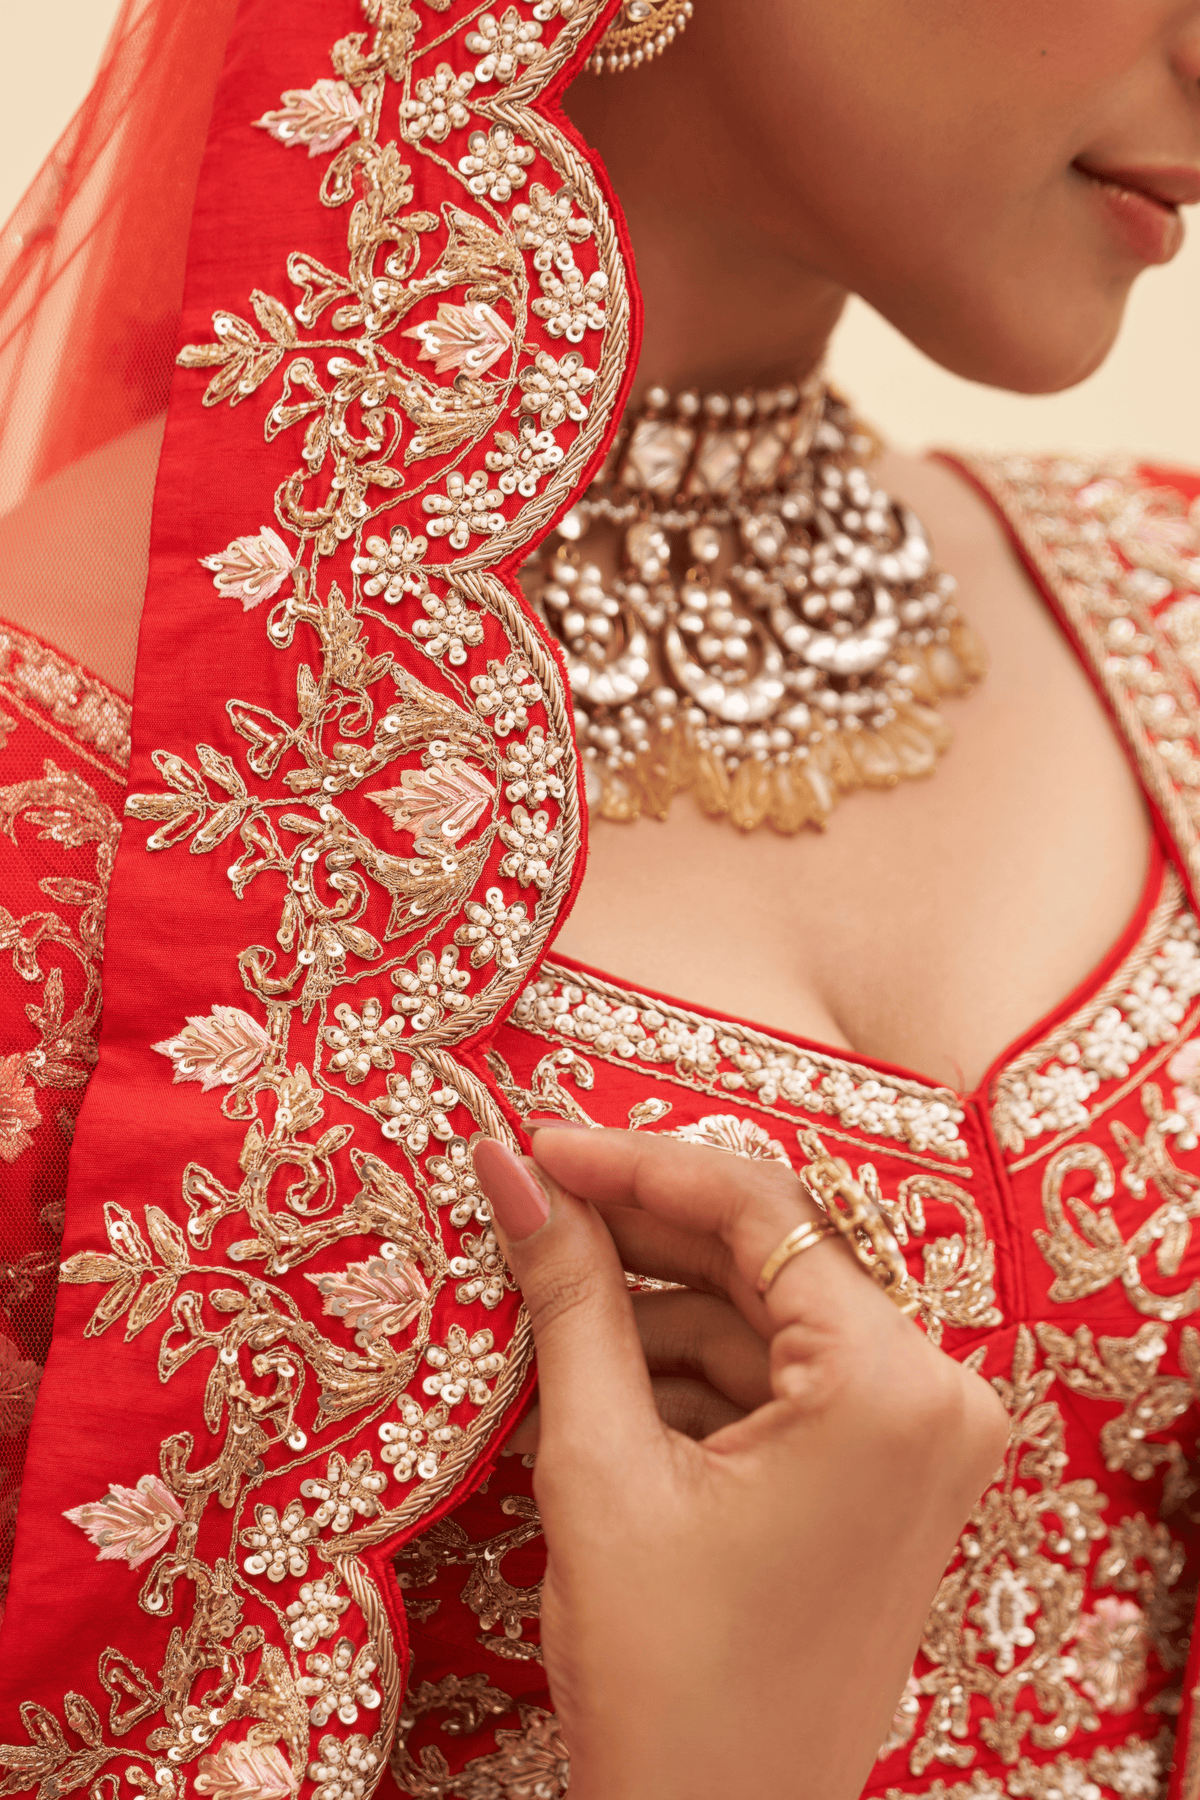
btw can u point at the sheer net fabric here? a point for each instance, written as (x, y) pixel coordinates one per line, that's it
(91, 278)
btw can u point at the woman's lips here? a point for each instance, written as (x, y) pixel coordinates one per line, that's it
(1143, 205)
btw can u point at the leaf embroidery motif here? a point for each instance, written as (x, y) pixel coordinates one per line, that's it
(321, 116)
(246, 1771)
(377, 1298)
(445, 800)
(221, 1047)
(129, 1524)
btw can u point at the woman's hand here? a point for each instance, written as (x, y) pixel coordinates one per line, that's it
(707, 1366)
(735, 1616)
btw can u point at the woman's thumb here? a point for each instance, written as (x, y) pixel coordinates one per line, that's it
(594, 1386)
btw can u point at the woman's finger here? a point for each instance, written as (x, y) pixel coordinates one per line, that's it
(707, 1341)
(666, 1252)
(690, 1407)
(750, 1205)
(594, 1387)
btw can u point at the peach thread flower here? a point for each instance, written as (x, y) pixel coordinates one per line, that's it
(129, 1524)
(246, 1771)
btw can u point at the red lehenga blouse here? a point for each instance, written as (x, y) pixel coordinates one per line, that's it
(286, 1353)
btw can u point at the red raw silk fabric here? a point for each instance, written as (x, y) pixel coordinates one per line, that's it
(286, 1348)
(258, 1290)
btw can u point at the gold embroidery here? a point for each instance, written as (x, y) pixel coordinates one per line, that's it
(1125, 1370)
(1011, 1603)
(487, 1593)
(446, 755)
(1090, 1257)
(63, 809)
(1110, 548)
(90, 715)
(1085, 1063)
(721, 1058)
(528, 1764)
(1135, 1769)
(959, 1270)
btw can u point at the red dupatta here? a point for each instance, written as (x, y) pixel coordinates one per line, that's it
(356, 820)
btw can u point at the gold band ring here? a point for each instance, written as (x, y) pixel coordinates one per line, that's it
(805, 1237)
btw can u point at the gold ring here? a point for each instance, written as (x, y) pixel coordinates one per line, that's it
(805, 1237)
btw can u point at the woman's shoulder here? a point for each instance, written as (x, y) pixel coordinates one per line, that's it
(1099, 518)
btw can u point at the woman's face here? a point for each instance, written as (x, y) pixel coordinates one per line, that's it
(940, 158)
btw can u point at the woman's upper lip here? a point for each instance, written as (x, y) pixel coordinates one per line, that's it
(1171, 184)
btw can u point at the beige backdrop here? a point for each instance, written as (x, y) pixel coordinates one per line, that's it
(1146, 398)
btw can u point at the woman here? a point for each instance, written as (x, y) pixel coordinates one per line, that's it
(437, 342)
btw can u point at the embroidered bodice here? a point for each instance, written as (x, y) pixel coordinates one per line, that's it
(1047, 1218)
(286, 1356)
(64, 749)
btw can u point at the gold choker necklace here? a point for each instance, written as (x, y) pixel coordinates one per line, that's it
(775, 634)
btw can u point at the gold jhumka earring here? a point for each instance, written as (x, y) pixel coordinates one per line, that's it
(639, 32)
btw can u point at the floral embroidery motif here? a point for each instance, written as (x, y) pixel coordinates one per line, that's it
(340, 1683)
(470, 337)
(1084, 1244)
(1110, 1654)
(418, 1443)
(503, 44)
(347, 1489)
(19, 1115)
(63, 810)
(346, 1769)
(1126, 1370)
(726, 1131)
(463, 1365)
(130, 1524)
(436, 106)
(388, 480)
(280, 1542)
(315, 1613)
(1008, 1623)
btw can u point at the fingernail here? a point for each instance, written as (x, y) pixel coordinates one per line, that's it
(518, 1202)
(556, 1125)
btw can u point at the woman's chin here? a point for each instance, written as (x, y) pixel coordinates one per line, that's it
(1028, 356)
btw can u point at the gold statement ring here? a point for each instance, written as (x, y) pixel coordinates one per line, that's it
(860, 1219)
(805, 1237)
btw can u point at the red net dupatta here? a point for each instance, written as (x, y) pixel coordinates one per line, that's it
(355, 821)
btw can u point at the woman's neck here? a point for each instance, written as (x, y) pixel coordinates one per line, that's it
(728, 301)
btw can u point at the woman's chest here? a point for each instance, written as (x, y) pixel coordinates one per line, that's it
(932, 921)
(1049, 1224)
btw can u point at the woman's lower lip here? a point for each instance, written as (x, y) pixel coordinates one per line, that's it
(1153, 231)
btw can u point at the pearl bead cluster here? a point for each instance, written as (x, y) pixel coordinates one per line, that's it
(641, 31)
(777, 633)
